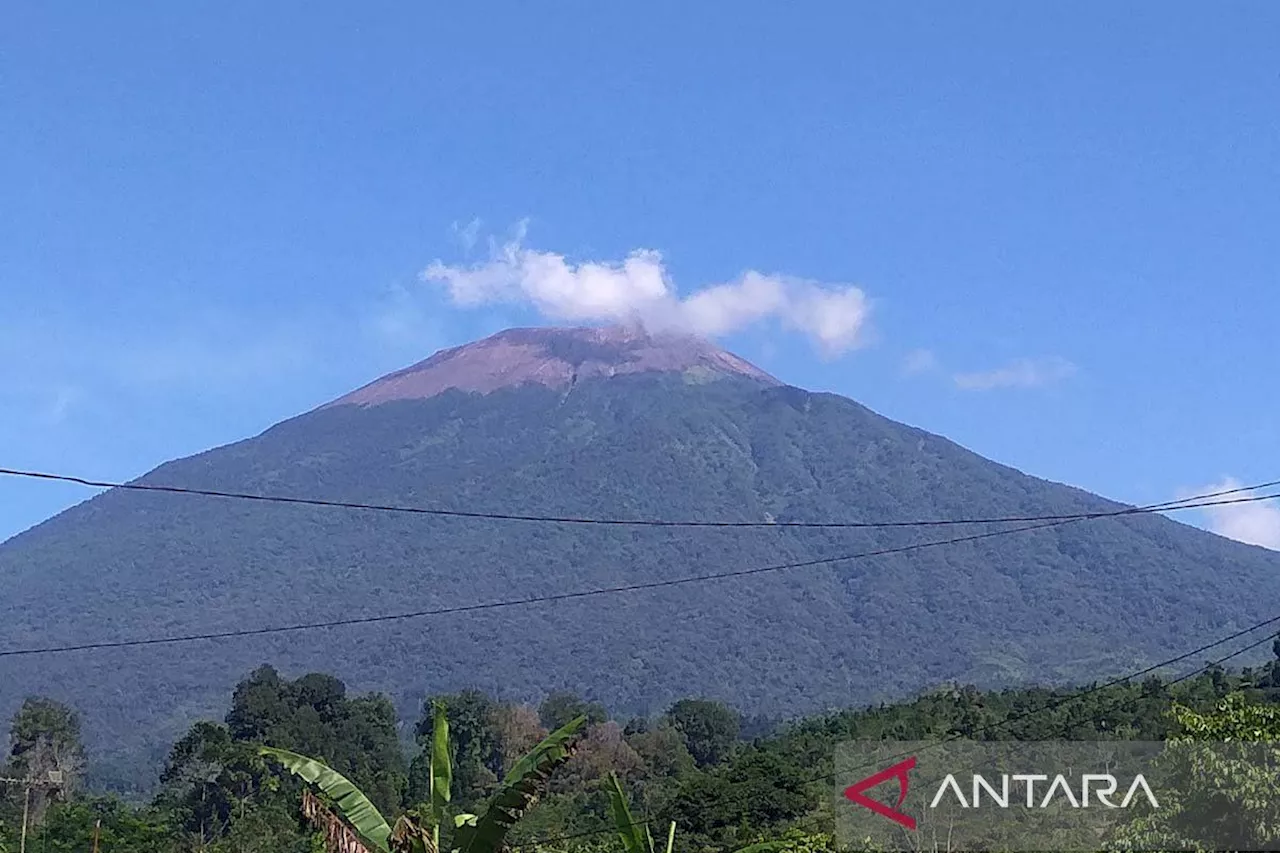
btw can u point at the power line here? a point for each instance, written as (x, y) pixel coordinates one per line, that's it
(492, 605)
(1220, 661)
(1198, 501)
(1055, 704)
(1016, 718)
(1170, 506)
(542, 599)
(554, 839)
(1115, 682)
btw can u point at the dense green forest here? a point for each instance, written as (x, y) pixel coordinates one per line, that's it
(1052, 606)
(724, 781)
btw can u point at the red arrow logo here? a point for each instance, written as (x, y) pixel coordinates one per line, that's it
(898, 771)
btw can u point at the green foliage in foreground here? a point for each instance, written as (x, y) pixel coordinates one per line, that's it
(1228, 796)
(418, 830)
(486, 769)
(1065, 604)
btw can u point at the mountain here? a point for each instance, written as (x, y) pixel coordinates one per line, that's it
(554, 358)
(588, 422)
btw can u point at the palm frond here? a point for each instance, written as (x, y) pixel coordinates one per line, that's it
(520, 789)
(635, 838)
(353, 806)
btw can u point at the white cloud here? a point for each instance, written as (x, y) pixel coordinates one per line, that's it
(64, 399)
(1022, 373)
(1254, 523)
(639, 290)
(920, 361)
(466, 234)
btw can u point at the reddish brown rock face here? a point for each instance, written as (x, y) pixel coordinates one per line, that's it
(552, 357)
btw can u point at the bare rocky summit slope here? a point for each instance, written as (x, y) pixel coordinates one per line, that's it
(608, 423)
(556, 358)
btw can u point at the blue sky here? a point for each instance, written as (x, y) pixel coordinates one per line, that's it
(1061, 219)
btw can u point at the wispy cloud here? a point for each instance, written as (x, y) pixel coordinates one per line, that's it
(63, 400)
(1254, 523)
(1022, 373)
(920, 361)
(638, 290)
(466, 234)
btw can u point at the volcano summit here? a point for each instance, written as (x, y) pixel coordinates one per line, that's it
(555, 358)
(597, 423)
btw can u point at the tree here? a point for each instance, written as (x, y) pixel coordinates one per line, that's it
(217, 790)
(663, 751)
(475, 743)
(259, 705)
(709, 728)
(601, 751)
(210, 782)
(1235, 719)
(314, 716)
(1218, 775)
(518, 730)
(562, 706)
(358, 825)
(1221, 686)
(70, 828)
(1271, 678)
(636, 836)
(757, 726)
(756, 790)
(44, 745)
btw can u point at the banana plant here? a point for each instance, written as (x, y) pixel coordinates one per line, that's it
(636, 837)
(358, 826)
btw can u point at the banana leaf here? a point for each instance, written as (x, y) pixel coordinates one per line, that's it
(635, 838)
(410, 835)
(519, 790)
(441, 764)
(352, 805)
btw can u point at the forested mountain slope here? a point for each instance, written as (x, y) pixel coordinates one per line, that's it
(568, 422)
